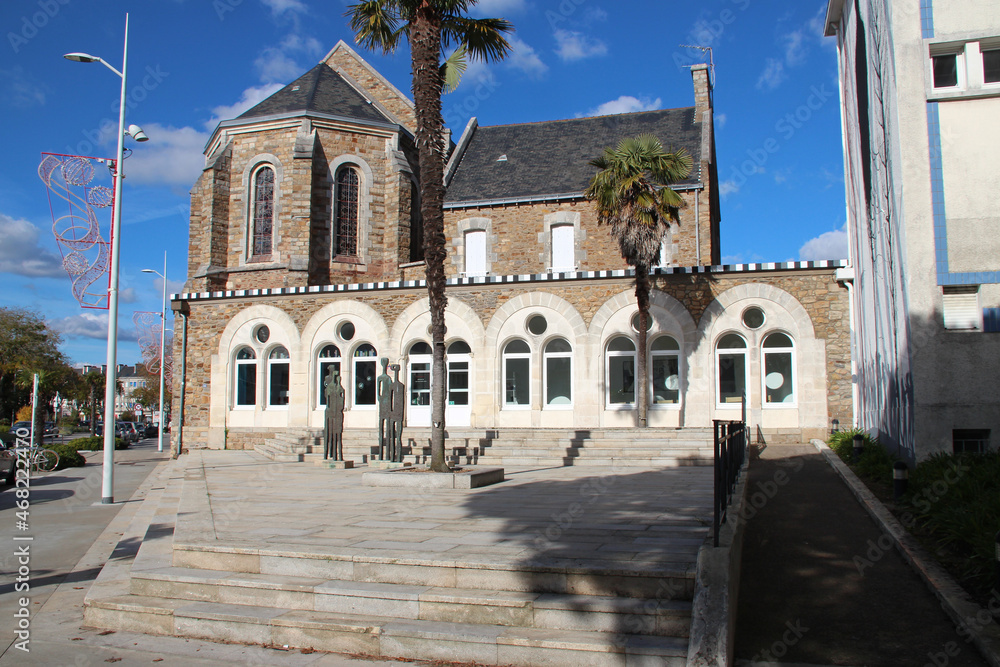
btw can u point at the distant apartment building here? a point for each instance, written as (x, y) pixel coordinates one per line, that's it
(920, 95)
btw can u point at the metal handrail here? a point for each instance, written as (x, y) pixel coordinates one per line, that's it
(730, 444)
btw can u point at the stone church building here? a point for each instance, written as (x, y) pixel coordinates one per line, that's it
(305, 253)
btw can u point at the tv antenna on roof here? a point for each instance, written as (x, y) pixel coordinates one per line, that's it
(711, 61)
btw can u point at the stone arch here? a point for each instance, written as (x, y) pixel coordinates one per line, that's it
(460, 319)
(761, 292)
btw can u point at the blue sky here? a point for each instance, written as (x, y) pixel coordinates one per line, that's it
(195, 62)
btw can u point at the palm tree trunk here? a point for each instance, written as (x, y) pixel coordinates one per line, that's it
(642, 298)
(425, 42)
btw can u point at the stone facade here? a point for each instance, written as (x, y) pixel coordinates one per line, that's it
(568, 366)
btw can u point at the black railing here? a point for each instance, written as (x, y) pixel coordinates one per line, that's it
(730, 453)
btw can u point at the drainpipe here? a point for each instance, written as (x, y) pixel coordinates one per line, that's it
(846, 278)
(697, 226)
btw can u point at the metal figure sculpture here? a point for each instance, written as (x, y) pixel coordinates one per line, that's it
(85, 255)
(384, 385)
(147, 326)
(396, 415)
(333, 430)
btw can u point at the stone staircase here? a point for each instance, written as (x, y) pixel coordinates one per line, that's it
(622, 447)
(483, 608)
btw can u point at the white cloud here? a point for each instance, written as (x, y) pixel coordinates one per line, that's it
(523, 57)
(727, 188)
(84, 325)
(308, 45)
(497, 7)
(173, 156)
(828, 245)
(720, 120)
(22, 254)
(273, 65)
(20, 90)
(625, 104)
(128, 295)
(250, 98)
(795, 47)
(772, 76)
(282, 6)
(577, 46)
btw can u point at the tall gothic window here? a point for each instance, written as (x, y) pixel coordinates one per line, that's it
(345, 216)
(263, 212)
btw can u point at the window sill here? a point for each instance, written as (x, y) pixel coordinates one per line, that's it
(620, 407)
(243, 408)
(515, 408)
(347, 259)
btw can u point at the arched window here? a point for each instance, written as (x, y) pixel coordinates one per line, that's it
(277, 377)
(416, 225)
(779, 386)
(620, 372)
(245, 382)
(420, 360)
(365, 373)
(328, 358)
(459, 356)
(345, 213)
(665, 375)
(517, 374)
(262, 213)
(558, 355)
(731, 368)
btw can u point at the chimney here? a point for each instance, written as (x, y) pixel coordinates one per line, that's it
(702, 89)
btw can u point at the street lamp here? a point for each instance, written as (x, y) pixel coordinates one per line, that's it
(134, 131)
(163, 331)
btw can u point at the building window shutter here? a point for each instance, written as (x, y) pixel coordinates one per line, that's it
(562, 248)
(475, 252)
(961, 307)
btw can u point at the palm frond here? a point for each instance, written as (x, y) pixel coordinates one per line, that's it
(377, 24)
(453, 69)
(483, 38)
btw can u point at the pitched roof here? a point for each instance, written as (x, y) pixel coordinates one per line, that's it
(320, 90)
(551, 158)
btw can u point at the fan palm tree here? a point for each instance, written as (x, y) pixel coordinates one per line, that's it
(431, 27)
(633, 196)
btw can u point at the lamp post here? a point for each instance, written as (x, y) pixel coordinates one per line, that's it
(163, 332)
(107, 485)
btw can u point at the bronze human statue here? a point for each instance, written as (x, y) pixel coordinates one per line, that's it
(396, 414)
(384, 387)
(333, 431)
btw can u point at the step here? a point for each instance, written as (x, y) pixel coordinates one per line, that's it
(383, 637)
(590, 613)
(603, 576)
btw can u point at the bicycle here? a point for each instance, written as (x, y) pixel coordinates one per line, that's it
(41, 459)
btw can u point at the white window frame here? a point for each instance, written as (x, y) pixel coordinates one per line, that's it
(459, 358)
(237, 364)
(675, 354)
(764, 353)
(480, 237)
(546, 356)
(565, 234)
(411, 359)
(958, 51)
(320, 375)
(731, 351)
(355, 360)
(507, 356)
(608, 355)
(273, 361)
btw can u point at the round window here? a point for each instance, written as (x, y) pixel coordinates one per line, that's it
(537, 325)
(262, 333)
(347, 331)
(753, 317)
(635, 322)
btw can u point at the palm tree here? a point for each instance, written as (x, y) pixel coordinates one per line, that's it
(431, 27)
(633, 195)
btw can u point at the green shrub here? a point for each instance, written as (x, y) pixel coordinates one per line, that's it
(96, 443)
(68, 456)
(956, 497)
(875, 462)
(4, 428)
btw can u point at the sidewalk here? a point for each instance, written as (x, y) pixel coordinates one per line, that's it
(822, 585)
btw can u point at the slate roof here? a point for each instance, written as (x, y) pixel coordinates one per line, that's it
(320, 90)
(551, 157)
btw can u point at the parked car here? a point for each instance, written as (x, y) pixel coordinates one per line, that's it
(125, 431)
(20, 425)
(8, 458)
(151, 431)
(51, 428)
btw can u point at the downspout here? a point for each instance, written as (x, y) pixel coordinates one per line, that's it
(697, 226)
(182, 309)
